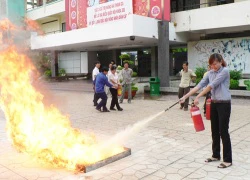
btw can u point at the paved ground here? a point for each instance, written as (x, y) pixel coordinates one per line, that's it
(168, 148)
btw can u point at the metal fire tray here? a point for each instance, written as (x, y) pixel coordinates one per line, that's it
(91, 167)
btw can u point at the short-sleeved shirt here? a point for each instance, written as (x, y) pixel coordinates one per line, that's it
(113, 77)
(219, 81)
(186, 78)
(94, 73)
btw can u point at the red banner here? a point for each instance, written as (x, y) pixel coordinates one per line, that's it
(166, 10)
(73, 14)
(82, 14)
(156, 9)
(77, 17)
(159, 9)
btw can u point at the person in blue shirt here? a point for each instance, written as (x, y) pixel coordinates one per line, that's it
(217, 81)
(100, 81)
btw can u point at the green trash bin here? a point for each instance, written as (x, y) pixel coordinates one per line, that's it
(154, 86)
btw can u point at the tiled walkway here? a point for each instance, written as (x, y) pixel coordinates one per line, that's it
(168, 148)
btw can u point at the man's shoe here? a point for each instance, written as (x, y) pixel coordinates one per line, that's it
(120, 101)
(98, 109)
(129, 102)
(113, 109)
(185, 109)
(181, 107)
(95, 104)
(120, 109)
(105, 110)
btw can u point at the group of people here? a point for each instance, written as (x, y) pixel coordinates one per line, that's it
(108, 77)
(215, 84)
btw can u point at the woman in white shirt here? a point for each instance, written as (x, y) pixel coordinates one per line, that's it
(113, 79)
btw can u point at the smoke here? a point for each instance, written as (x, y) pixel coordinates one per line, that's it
(130, 131)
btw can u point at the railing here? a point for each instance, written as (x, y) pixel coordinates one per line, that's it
(40, 4)
(197, 6)
(54, 32)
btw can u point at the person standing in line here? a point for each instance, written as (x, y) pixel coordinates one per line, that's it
(100, 81)
(113, 79)
(187, 75)
(107, 88)
(126, 82)
(95, 72)
(113, 63)
(217, 81)
(110, 66)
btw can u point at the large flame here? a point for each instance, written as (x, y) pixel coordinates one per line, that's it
(39, 130)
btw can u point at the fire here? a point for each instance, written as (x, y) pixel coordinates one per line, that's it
(5, 25)
(40, 130)
(32, 25)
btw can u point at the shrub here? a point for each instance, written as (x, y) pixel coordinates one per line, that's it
(247, 83)
(62, 72)
(198, 80)
(124, 57)
(134, 74)
(134, 88)
(236, 75)
(234, 84)
(48, 73)
(200, 72)
(119, 67)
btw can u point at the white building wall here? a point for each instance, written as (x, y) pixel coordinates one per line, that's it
(84, 62)
(235, 51)
(46, 11)
(50, 27)
(70, 61)
(225, 16)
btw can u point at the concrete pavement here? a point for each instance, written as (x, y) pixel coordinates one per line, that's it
(168, 148)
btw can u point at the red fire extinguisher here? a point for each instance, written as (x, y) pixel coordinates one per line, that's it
(197, 119)
(208, 108)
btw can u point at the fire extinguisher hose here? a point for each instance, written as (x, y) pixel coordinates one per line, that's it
(172, 106)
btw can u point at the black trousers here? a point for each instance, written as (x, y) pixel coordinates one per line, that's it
(181, 93)
(220, 115)
(103, 101)
(95, 99)
(114, 100)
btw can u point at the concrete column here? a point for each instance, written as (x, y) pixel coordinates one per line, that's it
(115, 56)
(163, 53)
(154, 61)
(54, 63)
(92, 58)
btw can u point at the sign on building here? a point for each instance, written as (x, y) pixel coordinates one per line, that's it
(82, 13)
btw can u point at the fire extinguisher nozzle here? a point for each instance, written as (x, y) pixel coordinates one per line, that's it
(171, 106)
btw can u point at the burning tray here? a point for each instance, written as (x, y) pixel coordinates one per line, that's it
(91, 167)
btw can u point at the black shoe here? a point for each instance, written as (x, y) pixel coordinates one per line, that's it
(113, 109)
(120, 109)
(98, 109)
(105, 110)
(95, 104)
(120, 101)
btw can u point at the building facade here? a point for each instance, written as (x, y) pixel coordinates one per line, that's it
(77, 35)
